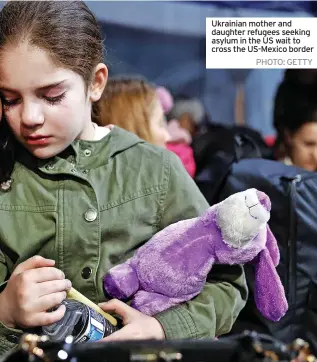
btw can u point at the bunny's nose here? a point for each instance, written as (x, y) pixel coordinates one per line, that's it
(264, 200)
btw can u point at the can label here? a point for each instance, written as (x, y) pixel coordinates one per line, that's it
(95, 327)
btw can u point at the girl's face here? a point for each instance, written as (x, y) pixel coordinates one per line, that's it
(158, 126)
(45, 105)
(303, 146)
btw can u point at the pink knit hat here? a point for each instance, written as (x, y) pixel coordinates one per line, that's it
(165, 98)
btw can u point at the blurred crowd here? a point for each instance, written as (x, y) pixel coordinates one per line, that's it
(179, 122)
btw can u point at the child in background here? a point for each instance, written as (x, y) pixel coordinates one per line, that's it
(132, 104)
(180, 138)
(189, 112)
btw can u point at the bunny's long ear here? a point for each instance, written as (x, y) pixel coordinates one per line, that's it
(272, 247)
(269, 295)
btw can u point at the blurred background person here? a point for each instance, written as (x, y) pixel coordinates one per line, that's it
(189, 112)
(295, 121)
(179, 131)
(132, 104)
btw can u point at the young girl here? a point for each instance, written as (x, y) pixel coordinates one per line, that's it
(82, 198)
(132, 104)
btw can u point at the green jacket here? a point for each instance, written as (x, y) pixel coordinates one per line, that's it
(92, 206)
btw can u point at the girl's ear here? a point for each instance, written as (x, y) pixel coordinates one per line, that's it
(98, 82)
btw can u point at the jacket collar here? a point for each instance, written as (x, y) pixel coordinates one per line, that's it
(82, 153)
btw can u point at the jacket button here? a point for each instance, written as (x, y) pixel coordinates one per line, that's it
(87, 152)
(49, 167)
(90, 215)
(86, 272)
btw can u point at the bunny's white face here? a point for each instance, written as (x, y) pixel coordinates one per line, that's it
(241, 216)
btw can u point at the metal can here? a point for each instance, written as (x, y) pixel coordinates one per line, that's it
(81, 322)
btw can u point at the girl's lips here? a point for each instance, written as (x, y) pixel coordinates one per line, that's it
(38, 140)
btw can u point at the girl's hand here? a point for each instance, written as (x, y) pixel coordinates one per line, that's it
(136, 325)
(34, 287)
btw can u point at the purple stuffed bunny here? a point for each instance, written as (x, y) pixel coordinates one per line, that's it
(172, 267)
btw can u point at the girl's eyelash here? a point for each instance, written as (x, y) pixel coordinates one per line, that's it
(50, 100)
(55, 100)
(9, 103)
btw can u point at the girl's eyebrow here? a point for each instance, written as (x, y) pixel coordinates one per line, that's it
(42, 88)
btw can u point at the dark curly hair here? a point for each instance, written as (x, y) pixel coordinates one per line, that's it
(295, 105)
